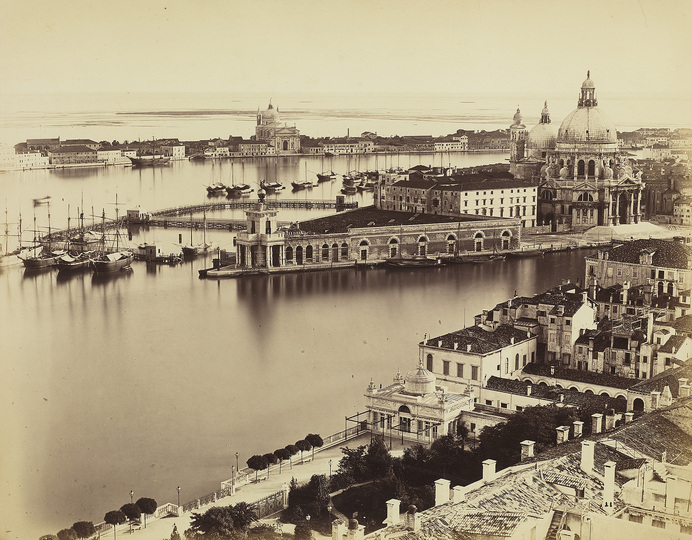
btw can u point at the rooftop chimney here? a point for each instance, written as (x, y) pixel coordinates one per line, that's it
(609, 487)
(629, 416)
(578, 428)
(456, 345)
(655, 399)
(393, 516)
(338, 529)
(587, 453)
(528, 389)
(684, 391)
(412, 518)
(468, 347)
(526, 449)
(439, 343)
(562, 434)
(596, 423)
(441, 491)
(489, 470)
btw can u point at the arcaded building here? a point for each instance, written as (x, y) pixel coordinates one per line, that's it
(585, 180)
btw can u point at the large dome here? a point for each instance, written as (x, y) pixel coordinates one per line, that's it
(270, 116)
(420, 381)
(587, 124)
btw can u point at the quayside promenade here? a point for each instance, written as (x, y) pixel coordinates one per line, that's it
(326, 459)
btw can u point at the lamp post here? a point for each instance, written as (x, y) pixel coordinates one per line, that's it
(132, 496)
(236, 462)
(330, 468)
(178, 495)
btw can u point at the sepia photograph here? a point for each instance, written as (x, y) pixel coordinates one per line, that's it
(347, 270)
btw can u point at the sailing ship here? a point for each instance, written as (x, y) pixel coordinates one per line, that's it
(41, 256)
(326, 176)
(238, 190)
(304, 184)
(114, 259)
(272, 187)
(191, 249)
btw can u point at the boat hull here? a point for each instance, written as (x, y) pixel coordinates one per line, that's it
(104, 266)
(412, 262)
(149, 162)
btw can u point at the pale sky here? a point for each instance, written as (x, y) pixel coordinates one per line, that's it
(352, 45)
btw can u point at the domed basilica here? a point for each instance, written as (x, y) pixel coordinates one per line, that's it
(584, 180)
(284, 138)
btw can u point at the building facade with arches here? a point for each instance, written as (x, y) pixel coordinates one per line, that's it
(585, 180)
(365, 235)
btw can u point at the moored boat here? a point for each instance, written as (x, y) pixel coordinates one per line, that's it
(217, 188)
(349, 190)
(272, 187)
(534, 252)
(417, 261)
(299, 185)
(326, 176)
(238, 190)
(112, 262)
(149, 161)
(71, 263)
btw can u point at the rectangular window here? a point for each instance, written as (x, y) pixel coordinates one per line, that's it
(636, 519)
(524, 361)
(460, 370)
(503, 405)
(533, 356)
(473, 427)
(445, 367)
(658, 523)
(474, 373)
(519, 408)
(489, 402)
(568, 322)
(645, 359)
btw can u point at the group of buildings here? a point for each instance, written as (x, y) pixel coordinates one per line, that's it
(627, 336)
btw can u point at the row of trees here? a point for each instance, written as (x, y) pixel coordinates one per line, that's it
(86, 529)
(264, 461)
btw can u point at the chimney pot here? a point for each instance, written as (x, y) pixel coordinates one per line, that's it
(458, 494)
(439, 343)
(578, 428)
(468, 347)
(489, 470)
(629, 416)
(562, 434)
(596, 423)
(587, 455)
(441, 491)
(527, 449)
(528, 389)
(456, 345)
(609, 487)
(393, 516)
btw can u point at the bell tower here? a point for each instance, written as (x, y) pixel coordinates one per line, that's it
(517, 142)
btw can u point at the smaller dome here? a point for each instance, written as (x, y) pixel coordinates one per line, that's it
(588, 83)
(270, 116)
(420, 381)
(517, 117)
(543, 137)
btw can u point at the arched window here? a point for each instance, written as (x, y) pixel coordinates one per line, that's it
(308, 253)
(364, 250)
(580, 168)
(478, 241)
(429, 362)
(592, 167)
(393, 247)
(506, 239)
(299, 255)
(335, 252)
(404, 409)
(516, 361)
(670, 289)
(325, 252)
(638, 405)
(344, 251)
(451, 243)
(605, 394)
(285, 145)
(289, 254)
(422, 246)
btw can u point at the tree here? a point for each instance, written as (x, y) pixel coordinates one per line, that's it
(175, 535)
(292, 450)
(147, 506)
(217, 520)
(84, 529)
(303, 446)
(131, 511)
(319, 486)
(316, 441)
(115, 517)
(67, 534)
(243, 516)
(378, 461)
(48, 537)
(271, 460)
(282, 454)
(257, 463)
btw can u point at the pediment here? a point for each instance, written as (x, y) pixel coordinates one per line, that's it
(549, 184)
(585, 186)
(628, 182)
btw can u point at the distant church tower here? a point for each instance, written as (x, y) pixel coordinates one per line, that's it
(517, 142)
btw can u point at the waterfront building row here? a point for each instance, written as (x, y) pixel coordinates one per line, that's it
(368, 235)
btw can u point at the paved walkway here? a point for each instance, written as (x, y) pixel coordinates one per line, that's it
(158, 529)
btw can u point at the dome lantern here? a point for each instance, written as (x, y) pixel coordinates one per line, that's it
(588, 93)
(420, 381)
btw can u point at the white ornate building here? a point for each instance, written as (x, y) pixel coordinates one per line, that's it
(584, 179)
(282, 137)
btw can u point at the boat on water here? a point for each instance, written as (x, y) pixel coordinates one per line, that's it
(417, 261)
(353, 178)
(154, 160)
(239, 190)
(326, 176)
(477, 258)
(532, 252)
(217, 188)
(272, 187)
(152, 253)
(349, 190)
(72, 263)
(366, 186)
(192, 250)
(113, 262)
(300, 185)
